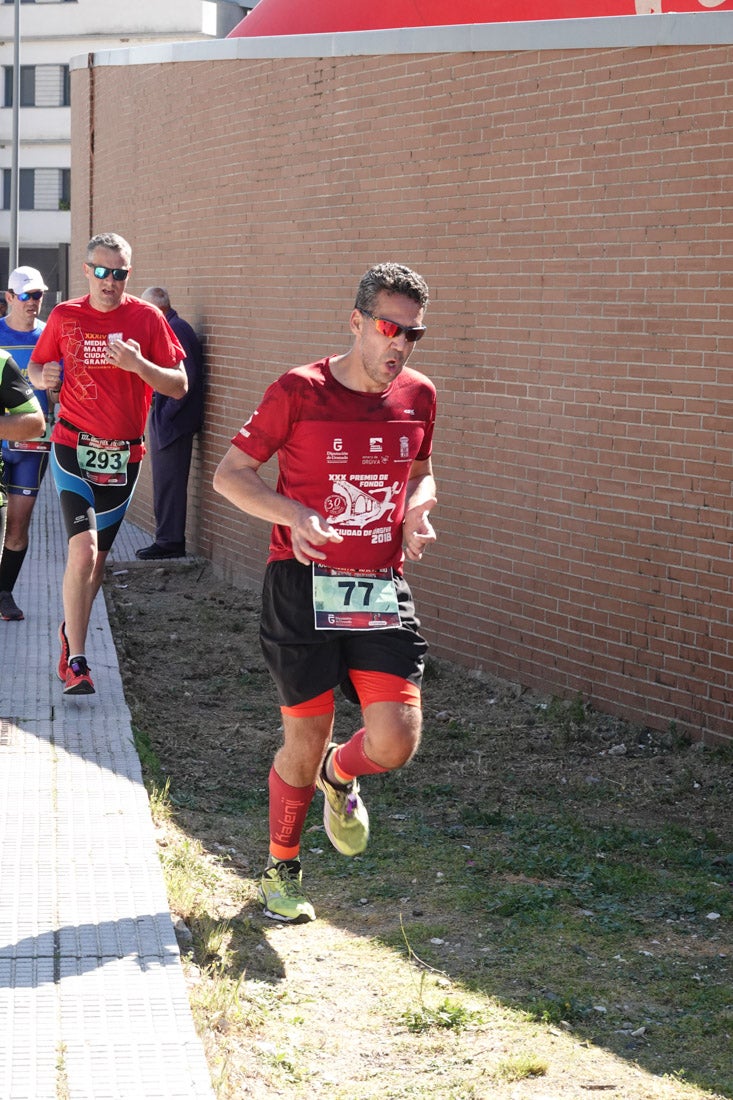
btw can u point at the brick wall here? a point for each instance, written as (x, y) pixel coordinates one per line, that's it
(571, 211)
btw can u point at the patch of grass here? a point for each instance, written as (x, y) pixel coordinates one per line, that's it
(217, 1001)
(160, 805)
(186, 875)
(481, 816)
(210, 936)
(524, 901)
(252, 802)
(518, 1067)
(153, 773)
(457, 730)
(556, 1010)
(567, 719)
(449, 1013)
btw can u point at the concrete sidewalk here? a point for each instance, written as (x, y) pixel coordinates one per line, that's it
(93, 1003)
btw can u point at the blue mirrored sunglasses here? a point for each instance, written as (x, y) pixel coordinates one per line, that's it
(119, 274)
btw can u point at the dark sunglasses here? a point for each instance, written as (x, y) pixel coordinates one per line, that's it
(119, 274)
(391, 329)
(26, 295)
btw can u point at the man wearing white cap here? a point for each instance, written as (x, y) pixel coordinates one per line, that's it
(24, 462)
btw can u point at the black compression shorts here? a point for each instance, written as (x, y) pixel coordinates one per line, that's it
(305, 662)
(89, 507)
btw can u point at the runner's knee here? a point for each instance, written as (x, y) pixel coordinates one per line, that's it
(392, 733)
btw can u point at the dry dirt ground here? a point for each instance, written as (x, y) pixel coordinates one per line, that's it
(417, 978)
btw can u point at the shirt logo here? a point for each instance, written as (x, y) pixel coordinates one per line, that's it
(337, 453)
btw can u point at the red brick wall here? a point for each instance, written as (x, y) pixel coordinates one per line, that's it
(571, 211)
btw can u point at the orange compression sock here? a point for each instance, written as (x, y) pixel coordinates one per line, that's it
(350, 760)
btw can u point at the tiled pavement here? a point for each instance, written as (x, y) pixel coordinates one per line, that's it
(93, 1002)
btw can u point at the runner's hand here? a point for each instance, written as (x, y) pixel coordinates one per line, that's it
(417, 533)
(125, 354)
(51, 376)
(309, 532)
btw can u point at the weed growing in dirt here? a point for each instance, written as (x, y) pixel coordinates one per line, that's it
(518, 1067)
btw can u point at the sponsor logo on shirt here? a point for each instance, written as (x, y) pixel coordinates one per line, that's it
(337, 452)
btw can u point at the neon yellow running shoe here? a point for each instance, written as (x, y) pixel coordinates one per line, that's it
(345, 816)
(282, 895)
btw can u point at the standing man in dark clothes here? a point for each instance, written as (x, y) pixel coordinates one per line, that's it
(172, 426)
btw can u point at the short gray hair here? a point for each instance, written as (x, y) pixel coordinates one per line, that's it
(114, 242)
(395, 279)
(158, 296)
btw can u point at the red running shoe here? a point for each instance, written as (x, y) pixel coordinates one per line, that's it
(78, 680)
(64, 658)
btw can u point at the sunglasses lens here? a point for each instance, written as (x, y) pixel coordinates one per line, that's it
(388, 328)
(119, 274)
(36, 295)
(391, 329)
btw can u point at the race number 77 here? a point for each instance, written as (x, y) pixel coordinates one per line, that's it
(367, 586)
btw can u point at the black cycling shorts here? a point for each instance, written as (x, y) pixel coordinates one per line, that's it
(89, 507)
(305, 662)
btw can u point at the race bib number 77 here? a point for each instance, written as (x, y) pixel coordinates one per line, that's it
(354, 599)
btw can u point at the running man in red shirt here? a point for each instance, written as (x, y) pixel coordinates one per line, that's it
(116, 351)
(353, 438)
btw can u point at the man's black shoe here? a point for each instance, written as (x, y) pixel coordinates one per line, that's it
(158, 553)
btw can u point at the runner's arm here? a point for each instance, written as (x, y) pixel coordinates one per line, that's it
(170, 381)
(421, 498)
(18, 425)
(22, 416)
(237, 479)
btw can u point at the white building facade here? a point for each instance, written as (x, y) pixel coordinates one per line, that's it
(51, 33)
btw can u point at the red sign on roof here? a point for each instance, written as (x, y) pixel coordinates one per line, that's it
(274, 17)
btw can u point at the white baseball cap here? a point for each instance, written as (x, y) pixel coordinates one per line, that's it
(24, 279)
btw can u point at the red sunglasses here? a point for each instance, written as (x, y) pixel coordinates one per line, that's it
(391, 329)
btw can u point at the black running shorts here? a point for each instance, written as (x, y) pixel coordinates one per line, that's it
(305, 662)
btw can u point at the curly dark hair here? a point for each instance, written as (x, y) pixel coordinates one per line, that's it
(395, 279)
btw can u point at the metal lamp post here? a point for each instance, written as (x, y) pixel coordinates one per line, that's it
(14, 170)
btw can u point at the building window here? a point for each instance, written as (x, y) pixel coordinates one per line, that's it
(40, 189)
(40, 86)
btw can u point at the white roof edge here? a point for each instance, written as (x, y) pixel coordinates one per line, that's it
(708, 28)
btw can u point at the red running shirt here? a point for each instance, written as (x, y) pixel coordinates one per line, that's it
(345, 454)
(97, 396)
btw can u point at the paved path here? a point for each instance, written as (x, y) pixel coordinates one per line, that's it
(93, 1003)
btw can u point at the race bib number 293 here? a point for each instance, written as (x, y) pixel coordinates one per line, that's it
(103, 461)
